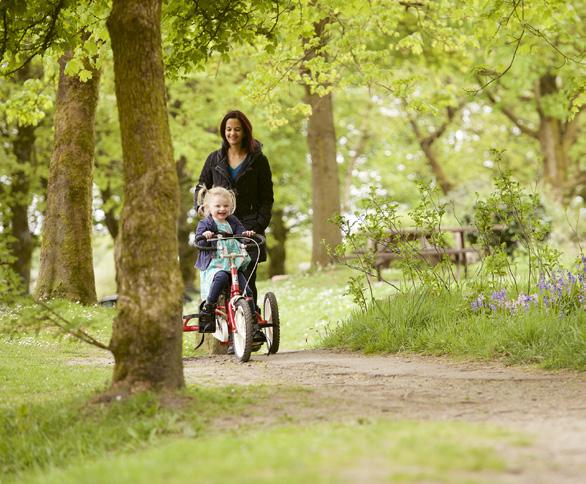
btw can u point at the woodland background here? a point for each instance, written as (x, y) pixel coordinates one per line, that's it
(346, 97)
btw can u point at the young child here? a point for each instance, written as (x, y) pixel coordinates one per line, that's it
(219, 205)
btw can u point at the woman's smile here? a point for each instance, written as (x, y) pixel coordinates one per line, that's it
(234, 132)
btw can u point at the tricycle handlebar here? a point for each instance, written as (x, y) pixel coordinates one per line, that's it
(254, 241)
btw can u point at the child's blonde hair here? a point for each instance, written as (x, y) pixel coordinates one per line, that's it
(204, 196)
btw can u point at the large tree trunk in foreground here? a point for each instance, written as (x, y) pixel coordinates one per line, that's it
(325, 184)
(66, 268)
(147, 334)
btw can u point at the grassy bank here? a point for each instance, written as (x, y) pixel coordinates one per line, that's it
(325, 453)
(444, 324)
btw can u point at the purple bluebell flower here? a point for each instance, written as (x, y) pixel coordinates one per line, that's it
(542, 284)
(478, 303)
(571, 278)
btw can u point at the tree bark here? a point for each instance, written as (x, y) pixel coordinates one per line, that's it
(321, 139)
(187, 253)
(22, 243)
(426, 145)
(325, 184)
(110, 219)
(556, 137)
(551, 136)
(147, 335)
(277, 251)
(66, 268)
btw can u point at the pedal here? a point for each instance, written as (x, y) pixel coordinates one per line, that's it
(255, 347)
(258, 337)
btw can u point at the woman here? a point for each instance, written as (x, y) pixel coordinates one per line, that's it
(241, 166)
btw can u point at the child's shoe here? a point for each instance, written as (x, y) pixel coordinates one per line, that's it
(207, 318)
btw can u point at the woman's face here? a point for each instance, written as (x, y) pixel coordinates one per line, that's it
(234, 132)
(220, 207)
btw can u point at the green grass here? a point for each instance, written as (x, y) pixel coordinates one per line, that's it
(46, 419)
(308, 303)
(367, 452)
(443, 324)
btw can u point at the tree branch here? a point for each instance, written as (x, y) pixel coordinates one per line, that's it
(499, 76)
(508, 112)
(47, 37)
(66, 326)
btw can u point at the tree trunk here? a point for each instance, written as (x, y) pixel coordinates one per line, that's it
(325, 184)
(147, 334)
(66, 268)
(110, 203)
(321, 139)
(110, 219)
(555, 157)
(551, 139)
(556, 137)
(187, 253)
(277, 252)
(21, 246)
(436, 167)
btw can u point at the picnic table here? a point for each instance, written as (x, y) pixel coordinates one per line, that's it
(387, 249)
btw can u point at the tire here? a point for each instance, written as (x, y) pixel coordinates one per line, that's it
(271, 315)
(243, 320)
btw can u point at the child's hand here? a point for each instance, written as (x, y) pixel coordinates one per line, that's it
(248, 233)
(208, 234)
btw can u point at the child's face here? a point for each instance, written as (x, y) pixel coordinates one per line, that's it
(220, 207)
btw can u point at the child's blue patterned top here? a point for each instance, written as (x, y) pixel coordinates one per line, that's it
(220, 264)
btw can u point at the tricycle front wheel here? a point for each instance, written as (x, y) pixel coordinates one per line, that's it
(243, 320)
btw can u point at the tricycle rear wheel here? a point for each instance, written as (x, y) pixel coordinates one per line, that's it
(271, 316)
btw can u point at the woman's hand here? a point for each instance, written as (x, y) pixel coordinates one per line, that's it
(248, 233)
(208, 234)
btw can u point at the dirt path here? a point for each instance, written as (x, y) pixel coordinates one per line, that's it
(549, 407)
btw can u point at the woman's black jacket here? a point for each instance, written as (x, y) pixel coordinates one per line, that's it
(253, 188)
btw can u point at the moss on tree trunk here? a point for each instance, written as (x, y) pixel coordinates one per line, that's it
(66, 268)
(147, 334)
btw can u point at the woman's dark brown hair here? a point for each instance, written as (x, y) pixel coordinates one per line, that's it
(248, 142)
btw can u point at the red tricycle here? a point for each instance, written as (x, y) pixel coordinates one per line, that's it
(237, 326)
